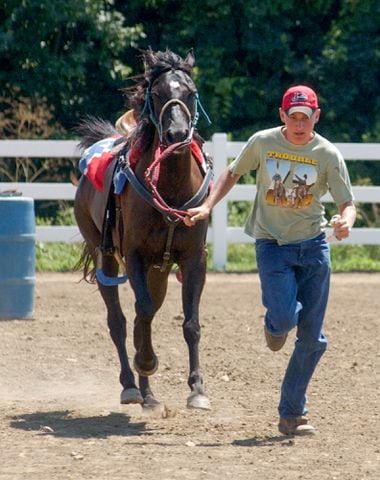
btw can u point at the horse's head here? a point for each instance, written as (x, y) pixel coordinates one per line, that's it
(171, 95)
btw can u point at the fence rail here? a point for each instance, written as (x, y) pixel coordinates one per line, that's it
(220, 234)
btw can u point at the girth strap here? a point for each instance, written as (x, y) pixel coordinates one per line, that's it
(169, 240)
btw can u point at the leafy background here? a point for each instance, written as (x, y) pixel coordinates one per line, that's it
(62, 60)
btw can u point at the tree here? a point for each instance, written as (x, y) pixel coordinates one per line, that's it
(78, 55)
(248, 52)
(66, 52)
(349, 68)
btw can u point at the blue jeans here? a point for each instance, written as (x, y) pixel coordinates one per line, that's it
(295, 280)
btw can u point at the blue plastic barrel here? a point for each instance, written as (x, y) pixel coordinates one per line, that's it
(17, 257)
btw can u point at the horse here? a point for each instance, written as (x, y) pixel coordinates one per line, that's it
(148, 235)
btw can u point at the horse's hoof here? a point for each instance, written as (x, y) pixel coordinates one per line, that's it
(198, 400)
(150, 403)
(131, 395)
(146, 372)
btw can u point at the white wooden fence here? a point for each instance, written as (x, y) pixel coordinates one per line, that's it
(220, 233)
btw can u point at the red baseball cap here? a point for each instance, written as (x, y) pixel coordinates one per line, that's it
(300, 99)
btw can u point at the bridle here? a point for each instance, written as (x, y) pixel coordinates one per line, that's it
(185, 109)
(157, 122)
(152, 173)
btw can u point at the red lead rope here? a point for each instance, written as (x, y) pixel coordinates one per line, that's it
(152, 178)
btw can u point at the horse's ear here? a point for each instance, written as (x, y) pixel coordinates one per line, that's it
(190, 58)
(149, 59)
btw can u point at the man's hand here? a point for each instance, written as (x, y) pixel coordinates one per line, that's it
(341, 227)
(343, 223)
(195, 214)
(223, 185)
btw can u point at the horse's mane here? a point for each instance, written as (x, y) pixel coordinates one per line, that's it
(155, 63)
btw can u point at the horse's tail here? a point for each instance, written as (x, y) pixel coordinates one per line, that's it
(86, 264)
(93, 129)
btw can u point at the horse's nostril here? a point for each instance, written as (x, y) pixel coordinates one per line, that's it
(176, 135)
(169, 137)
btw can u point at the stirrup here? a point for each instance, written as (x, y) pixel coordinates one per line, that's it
(105, 279)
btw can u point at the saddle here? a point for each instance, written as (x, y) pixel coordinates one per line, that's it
(112, 231)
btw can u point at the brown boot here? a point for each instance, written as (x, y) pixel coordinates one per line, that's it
(275, 343)
(296, 426)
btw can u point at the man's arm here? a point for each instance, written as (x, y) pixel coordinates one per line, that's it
(222, 186)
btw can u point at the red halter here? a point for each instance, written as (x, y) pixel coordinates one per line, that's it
(152, 174)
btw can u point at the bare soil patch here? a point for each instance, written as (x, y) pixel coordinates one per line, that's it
(60, 416)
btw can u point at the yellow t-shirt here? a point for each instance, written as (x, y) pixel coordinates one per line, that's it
(291, 179)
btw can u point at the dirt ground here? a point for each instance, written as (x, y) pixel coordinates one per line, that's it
(60, 416)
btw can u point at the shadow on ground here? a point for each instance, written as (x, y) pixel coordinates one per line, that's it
(64, 424)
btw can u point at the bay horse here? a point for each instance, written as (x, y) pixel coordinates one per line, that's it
(149, 231)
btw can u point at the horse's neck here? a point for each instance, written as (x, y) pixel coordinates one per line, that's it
(181, 178)
(178, 166)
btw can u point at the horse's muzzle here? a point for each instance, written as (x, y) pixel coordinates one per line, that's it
(175, 135)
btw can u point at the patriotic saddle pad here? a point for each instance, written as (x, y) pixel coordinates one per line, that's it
(96, 159)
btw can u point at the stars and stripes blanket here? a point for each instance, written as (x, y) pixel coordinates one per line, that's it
(96, 159)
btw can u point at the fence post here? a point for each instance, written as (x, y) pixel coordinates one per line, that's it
(219, 213)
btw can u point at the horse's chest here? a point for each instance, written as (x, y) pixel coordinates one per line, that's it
(158, 238)
(149, 233)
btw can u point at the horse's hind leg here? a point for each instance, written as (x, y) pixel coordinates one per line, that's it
(115, 317)
(118, 331)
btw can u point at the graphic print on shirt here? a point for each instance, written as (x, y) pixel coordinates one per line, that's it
(292, 177)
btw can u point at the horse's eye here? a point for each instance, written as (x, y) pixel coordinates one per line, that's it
(158, 96)
(191, 100)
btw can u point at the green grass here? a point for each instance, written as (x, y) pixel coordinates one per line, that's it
(355, 258)
(57, 256)
(344, 258)
(62, 257)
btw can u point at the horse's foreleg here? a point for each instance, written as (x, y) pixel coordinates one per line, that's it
(145, 361)
(193, 279)
(150, 289)
(118, 331)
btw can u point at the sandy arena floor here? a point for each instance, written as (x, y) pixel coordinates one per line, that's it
(60, 416)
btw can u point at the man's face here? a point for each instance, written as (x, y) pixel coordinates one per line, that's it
(298, 126)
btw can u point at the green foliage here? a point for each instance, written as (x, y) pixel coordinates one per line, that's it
(63, 257)
(77, 55)
(57, 257)
(238, 213)
(64, 215)
(67, 52)
(241, 257)
(347, 258)
(249, 52)
(62, 60)
(351, 56)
